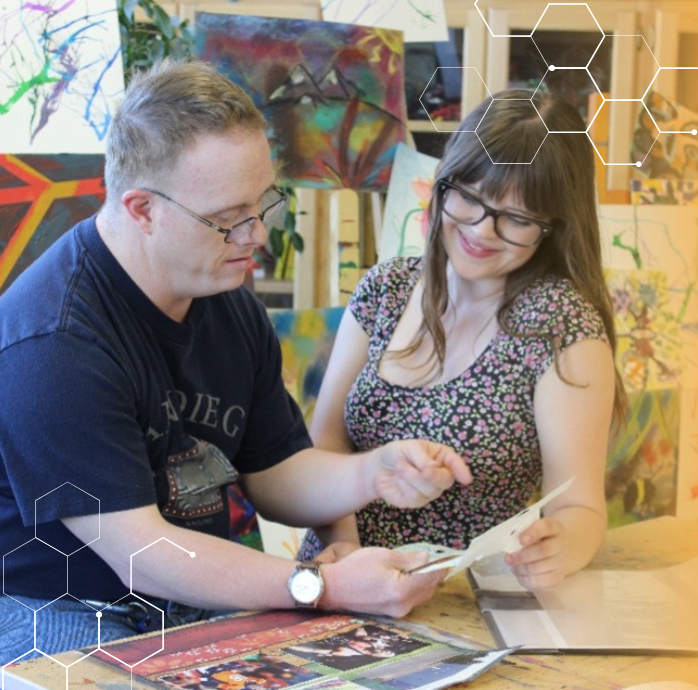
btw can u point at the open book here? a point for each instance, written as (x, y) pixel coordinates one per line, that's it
(628, 611)
(268, 651)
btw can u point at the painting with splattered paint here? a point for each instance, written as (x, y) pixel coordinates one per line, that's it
(332, 94)
(62, 72)
(405, 219)
(641, 476)
(649, 354)
(41, 197)
(660, 238)
(420, 20)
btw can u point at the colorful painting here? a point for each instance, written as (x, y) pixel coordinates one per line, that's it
(649, 354)
(420, 20)
(333, 94)
(664, 192)
(62, 72)
(41, 197)
(306, 337)
(665, 239)
(674, 154)
(405, 219)
(641, 478)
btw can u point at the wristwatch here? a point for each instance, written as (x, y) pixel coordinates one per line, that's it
(306, 585)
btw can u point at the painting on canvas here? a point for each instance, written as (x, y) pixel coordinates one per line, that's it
(405, 219)
(672, 154)
(420, 20)
(62, 71)
(42, 197)
(660, 238)
(332, 94)
(667, 192)
(641, 476)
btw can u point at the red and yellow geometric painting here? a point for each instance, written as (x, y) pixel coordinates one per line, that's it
(42, 197)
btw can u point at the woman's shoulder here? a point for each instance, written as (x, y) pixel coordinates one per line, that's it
(552, 303)
(391, 275)
(383, 291)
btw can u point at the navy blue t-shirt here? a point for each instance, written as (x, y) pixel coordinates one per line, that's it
(106, 404)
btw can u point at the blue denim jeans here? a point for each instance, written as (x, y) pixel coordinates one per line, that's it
(69, 624)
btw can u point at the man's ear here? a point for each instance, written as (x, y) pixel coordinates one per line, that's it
(138, 205)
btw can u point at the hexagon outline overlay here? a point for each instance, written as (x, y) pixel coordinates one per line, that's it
(99, 511)
(694, 132)
(450, 131)
(98, 613)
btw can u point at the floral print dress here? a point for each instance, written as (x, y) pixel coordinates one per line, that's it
(486, 414)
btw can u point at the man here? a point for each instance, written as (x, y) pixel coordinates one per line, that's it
(141, 390)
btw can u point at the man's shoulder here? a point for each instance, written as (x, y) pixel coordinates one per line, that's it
(36, 302)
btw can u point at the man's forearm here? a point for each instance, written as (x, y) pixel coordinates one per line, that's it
(313, 488)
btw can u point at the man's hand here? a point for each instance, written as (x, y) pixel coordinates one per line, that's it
(336, 551)
(409, 474)
(374, 580)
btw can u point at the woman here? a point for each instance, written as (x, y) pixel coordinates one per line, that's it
(498, 342)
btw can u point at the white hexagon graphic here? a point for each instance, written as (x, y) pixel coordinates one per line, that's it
(554, 8)
(538, 5)
(523, 47)
(57, 560)
(86, 504)
(641, 145)
(500, 162)
(42, 644)
(634, 46)
(150, 644)
(582, 81)
(454, 124)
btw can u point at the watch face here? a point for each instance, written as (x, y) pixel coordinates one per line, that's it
(305, 586)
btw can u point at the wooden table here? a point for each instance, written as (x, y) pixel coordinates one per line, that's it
(656, 543)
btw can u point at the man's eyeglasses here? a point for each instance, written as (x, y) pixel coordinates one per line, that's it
(272, 201)
(466, 209)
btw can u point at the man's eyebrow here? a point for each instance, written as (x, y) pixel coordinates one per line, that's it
(240, 207)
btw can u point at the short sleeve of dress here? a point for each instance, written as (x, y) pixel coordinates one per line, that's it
(553, 313)
(381, 289)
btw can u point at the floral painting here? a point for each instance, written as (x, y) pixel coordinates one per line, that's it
(405, 220)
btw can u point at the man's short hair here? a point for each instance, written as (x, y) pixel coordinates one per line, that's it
(163, 110)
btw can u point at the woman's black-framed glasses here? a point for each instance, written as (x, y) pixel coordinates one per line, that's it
(271, 203)
(465, 208)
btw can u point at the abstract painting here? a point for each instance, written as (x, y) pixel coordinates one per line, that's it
(665, 192)
(306, 337)
(332, 94)
(641, 477)
(61, 72)
(41, 197)
(661, 238)
(405, 219)
(649, 354)
(674, 154)
(420, 20)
